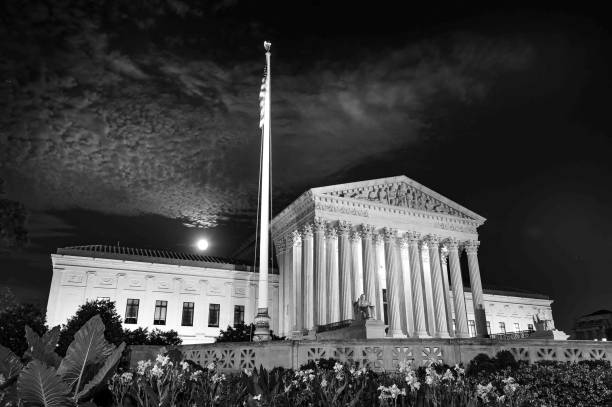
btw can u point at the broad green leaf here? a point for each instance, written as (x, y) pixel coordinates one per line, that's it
(86, 348)
(104, 373)
(10, 365)
(51, 337)
(40, 385)
(42, 348)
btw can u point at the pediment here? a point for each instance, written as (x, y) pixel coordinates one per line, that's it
(399, 191)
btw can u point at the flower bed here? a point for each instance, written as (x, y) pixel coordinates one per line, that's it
(171, 381)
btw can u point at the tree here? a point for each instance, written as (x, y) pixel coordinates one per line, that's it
(242, 333)
(7, 298)
(13, 321)
(113, 332)
(142, 336)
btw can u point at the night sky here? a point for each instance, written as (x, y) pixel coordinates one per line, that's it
(137, 122)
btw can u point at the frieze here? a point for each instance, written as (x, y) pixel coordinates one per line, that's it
(340, 209)
(398, 194)
(456, 228)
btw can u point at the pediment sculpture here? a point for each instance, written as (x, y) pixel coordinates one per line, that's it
(399, 194)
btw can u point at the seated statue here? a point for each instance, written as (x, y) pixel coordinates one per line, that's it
(362, 308)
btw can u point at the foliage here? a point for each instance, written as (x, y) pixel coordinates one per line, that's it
(482, 363)
(168, 380)
(7, 298)
(51, 381)
(107, 312)
(142, 336)
(242, 333)
(13, 321)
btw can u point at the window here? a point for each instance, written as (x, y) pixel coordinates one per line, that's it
(489, 327)
(530, 327)
(385, 307)
(502, 327)
(103, 298)
(213, 315)
(187, 319)
(472, 327)
(161, 308)
(517, 327)
(131, 311)
(238, 314)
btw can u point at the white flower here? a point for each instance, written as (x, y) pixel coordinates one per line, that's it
(164, 360)
(194, 376)
(510, 386)
(218, 378)
(2, 379)
(483, 391)
(157, 371)
(460, 371)
(126, 377)
(184, 365)
(412, 381)
(211, 366)
(391, 392)
(448, 376)
(324, 383)
(142, 367)
(258, 397)
(338, 367)
(248, 372)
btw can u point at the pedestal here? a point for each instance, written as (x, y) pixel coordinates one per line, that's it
(262, 326)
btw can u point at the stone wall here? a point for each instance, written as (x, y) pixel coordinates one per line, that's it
(386, 354)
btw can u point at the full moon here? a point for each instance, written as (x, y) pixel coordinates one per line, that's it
(202, 244)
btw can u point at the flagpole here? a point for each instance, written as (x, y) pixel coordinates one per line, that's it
(262, 320)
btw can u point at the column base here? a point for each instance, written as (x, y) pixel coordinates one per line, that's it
(463, 335)
(423, 335)
(396, 333)
(262, 326)
(443, 335)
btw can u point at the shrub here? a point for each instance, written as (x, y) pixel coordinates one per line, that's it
(113, 331)
(51, 381)
(242, 333)
(142, 336)
(13, 321)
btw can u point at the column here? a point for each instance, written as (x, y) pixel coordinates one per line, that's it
(320, 283)
(458, 296)
(288, 284)
(307, 277)
(416, 278)
(357, 265)
(393, 284)
(280, 300)
(296, 315)
(381, 279)
(407, 285)
(447, 298)
(346, 307)
(369, 268)
(333, 278)
(430, 318)
(441, 330)
(471, 248)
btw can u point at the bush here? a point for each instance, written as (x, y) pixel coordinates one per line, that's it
(142, 336)
(113, 332)
(242, 333)
(13, 321)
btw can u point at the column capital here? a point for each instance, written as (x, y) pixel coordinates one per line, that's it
(390, 235)
(413, 237)
(433, 241)
(443, 253)
(331, 233)
(344, 227)
(295, 238)
(319, 225)
(471, 246)
(307, 231)
(355, 236)
(404, 241)
(367, 231)
(452, 244)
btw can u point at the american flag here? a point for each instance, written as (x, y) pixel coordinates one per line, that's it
(262, 99)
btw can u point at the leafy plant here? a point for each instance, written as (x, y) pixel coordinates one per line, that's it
(47, 380)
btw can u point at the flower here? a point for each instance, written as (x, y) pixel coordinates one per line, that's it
(510, 386)
(412, 381)
(338, 367)
(448, 376)
(211, 366)
(258, 397)
(460, 371)
(2, 379)
(162, 359)
(248, 372)
(194, 376)
(157, 371)
(185, 365)
(126, 377)
(324, 383)
(142, 367)
(390, 392)
(217, 378)
(483, 391)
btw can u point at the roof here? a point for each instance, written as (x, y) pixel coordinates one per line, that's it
(511, 292)
(600, 312)
(156, 256)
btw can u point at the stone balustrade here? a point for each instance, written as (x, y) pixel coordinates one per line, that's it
(385, 354)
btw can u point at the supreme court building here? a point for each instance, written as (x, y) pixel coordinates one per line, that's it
(393, 240)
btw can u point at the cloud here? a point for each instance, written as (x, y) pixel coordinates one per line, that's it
(174, 133)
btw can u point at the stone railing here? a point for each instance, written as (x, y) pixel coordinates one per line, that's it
(386, 354)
